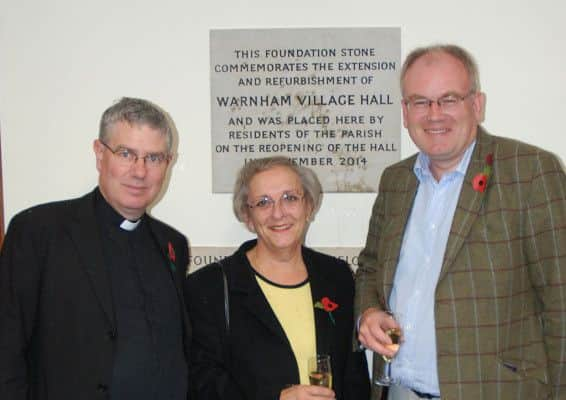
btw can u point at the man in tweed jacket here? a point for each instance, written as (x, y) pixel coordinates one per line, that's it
(498, 295)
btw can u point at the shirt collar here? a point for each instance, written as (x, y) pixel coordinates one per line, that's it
(128, 225)
(111, 217)
(422, 169)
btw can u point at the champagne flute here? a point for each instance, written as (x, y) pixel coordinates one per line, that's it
(320, 372)
(395, 336)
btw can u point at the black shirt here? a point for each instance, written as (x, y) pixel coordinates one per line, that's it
(149, 360)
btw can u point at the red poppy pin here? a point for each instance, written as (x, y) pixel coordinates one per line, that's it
(327, 305)
(479, 183)
(171, 254)
(171, 251)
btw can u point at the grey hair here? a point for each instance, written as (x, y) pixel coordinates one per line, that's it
(455, 51)
(309, 181)
(136, 112)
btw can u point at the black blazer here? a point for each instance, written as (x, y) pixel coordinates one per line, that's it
(56, 314)
(255, 360)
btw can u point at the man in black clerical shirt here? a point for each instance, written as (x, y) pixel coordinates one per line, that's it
(91, 305)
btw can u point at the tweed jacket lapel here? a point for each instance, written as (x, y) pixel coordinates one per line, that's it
(84, 232)
(405, 188)
(469, 202)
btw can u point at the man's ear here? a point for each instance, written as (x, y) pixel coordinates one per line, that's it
(479, 106)
(98, 149)
(405, 113)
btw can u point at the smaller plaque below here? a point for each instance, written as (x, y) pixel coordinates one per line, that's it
(201, 256)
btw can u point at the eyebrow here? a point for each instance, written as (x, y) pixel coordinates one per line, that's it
(450, 93)
(294, 191)
(122, 147)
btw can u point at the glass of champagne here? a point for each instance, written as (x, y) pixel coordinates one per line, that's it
(320, 372)
(395, 336)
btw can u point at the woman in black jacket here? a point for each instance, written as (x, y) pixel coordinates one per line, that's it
(259, 314)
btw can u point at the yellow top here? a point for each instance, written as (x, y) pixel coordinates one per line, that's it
(293, 307)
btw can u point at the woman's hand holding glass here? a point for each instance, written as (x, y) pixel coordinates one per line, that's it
(320, 376)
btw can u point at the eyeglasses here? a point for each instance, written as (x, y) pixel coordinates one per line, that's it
(446, 103)
(289, 201)
(130, 157)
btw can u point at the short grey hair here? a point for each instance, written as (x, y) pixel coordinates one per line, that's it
(309, 181)
(451, 49)
(136, 112)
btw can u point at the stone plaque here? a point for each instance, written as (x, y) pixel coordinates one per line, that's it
(327, 98)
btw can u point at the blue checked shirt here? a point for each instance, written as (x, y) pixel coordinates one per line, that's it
(422, 252)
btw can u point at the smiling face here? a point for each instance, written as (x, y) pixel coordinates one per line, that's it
(281, 226)
(130, 188)
(443, 135)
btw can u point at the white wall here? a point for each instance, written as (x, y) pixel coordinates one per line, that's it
(62, 62)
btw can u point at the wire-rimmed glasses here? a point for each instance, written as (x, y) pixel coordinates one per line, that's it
(448, 102)
(129, 157)
(289, 200)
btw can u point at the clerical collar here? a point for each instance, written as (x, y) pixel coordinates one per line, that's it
(111, 217)
(128, 225)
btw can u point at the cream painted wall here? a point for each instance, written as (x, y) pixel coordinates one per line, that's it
(62, 62)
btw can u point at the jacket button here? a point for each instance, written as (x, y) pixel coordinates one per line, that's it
(102, 388)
